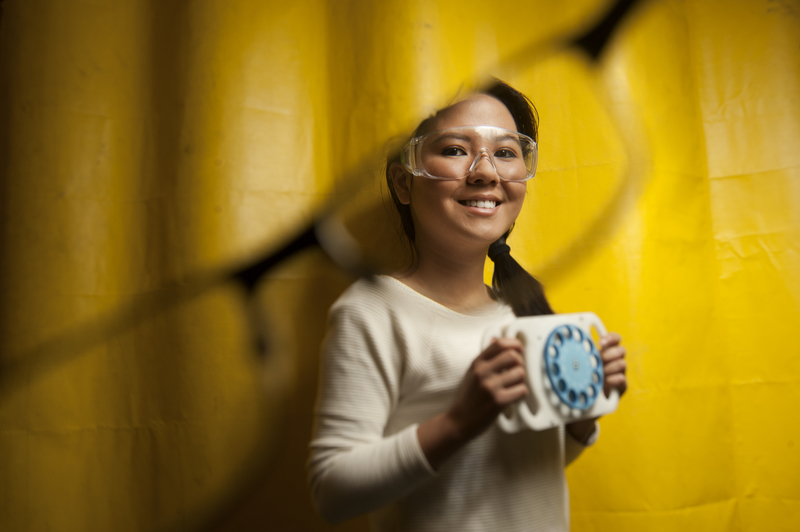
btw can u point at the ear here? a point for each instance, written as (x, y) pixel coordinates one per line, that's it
(401, 180)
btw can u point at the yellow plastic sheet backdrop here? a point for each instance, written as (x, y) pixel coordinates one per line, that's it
(146, 141)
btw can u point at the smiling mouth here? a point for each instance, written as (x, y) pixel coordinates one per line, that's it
(481, 204)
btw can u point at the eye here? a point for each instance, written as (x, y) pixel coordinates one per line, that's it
(454, 151)
(506, 153)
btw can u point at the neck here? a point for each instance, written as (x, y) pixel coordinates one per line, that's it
(454, 280)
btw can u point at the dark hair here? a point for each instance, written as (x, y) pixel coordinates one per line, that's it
(510, 282)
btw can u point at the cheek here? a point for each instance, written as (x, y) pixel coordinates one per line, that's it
(432, 205)
(517, 195)
(422, 206)
(430, 194)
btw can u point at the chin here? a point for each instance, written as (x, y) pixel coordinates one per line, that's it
(491, 234)
(486, 238)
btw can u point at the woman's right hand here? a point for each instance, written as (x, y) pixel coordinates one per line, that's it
(494, 380)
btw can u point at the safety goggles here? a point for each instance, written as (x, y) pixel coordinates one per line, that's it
(455, 153)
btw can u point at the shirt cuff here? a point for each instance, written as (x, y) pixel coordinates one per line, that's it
(413, 450)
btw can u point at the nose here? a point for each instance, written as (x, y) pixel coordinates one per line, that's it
(482, 169)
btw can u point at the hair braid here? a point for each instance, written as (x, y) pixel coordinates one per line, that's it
(514, 285)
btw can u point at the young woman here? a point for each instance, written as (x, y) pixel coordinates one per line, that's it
(405, 420)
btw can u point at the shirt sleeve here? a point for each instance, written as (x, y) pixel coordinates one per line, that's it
(354, 468)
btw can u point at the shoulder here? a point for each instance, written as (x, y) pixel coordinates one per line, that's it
(378, 297)
(369, 303)
(382, 314)
(366, 300)
(370, 291)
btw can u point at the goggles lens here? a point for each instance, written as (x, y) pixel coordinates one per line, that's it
(456, 153)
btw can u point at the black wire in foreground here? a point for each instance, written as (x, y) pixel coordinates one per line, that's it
(249, 275)
(595, 40)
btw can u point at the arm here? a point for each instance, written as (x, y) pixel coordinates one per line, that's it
(353, 468)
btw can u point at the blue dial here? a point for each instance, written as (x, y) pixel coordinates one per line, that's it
(573, 366)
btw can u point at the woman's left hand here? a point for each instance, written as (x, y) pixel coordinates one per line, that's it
(614, 364)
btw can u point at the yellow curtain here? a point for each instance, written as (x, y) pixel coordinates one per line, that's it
(147, 144)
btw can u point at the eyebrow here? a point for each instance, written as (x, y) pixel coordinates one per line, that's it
(447, 135)
(465, 138)
(508, 137)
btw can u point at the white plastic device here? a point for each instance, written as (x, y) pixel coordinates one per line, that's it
(564, 371)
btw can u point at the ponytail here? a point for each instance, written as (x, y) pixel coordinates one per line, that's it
(511, 283)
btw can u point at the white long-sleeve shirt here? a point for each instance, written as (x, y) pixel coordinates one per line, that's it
(391, 360)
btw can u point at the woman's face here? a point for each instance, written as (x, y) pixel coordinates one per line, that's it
(445, 212)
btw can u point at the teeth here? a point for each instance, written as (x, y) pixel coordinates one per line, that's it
(488, 204)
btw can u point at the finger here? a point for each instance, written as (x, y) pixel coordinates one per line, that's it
(498, 345)
(506, 396)
(502, 362)
(510, 378)
(495, 382)
(610, 354)
(610, 339)
(617, 381)
(615, 367)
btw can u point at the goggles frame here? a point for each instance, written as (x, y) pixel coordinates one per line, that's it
(411, 156)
